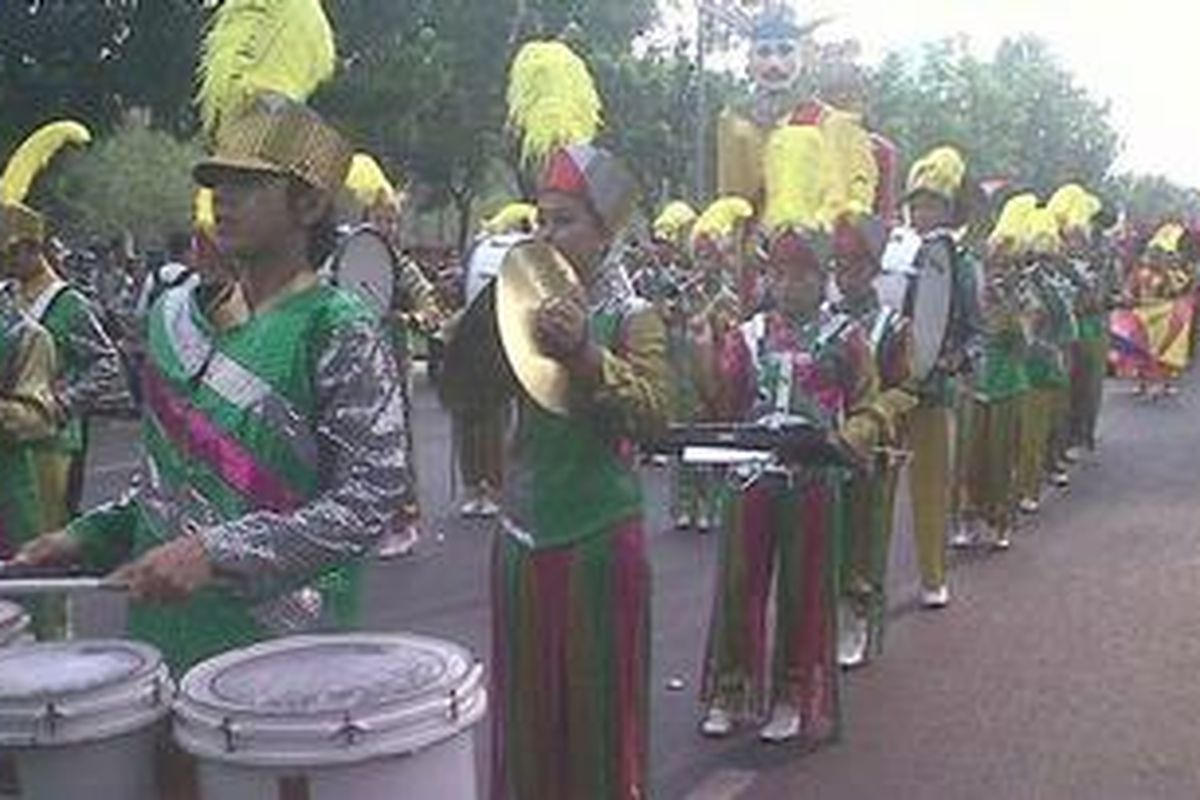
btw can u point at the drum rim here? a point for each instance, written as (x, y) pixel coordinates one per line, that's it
(151, 662)
(215, 730)
(367, 230)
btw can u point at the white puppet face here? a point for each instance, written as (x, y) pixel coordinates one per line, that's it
(776, 62)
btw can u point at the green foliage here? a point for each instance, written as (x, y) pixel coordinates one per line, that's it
(136, 180)
(1020, 116)
(1149, 199)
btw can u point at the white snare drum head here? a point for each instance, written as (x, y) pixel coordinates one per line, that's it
(97, 689)
(900, 252)
(328, 699)
(366, 265)
(13, 622)
(484, 263)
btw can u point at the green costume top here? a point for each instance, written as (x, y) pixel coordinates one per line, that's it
(90, 377)
(572, 478)
(1052, 330)
(278, 441)
(27, 412)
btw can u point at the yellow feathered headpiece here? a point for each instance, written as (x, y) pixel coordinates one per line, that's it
(255, 47)
(721, 219)
(1074, 207)
(1167, 238)
(513, 218)
(1041, 236)
(369, 183)
(204, 218)
(32, 156)
(853, 173)
(552, 100)
(794, 166)
(1008, 236)
(673, 221)
(941, 172)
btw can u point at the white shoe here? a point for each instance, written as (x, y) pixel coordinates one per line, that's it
(935, 598)
(964, 536)
(1000, 540)
(783, 726)
(852, 640)
(683, 522)
(1073, 455)
(1029, 506)
(399, 543)
(717, 723)
(470, 508)
(703, 524)
(1061, 479)
(486, 507)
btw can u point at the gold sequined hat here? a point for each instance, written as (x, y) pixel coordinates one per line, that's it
(19, 222)
(278, 136)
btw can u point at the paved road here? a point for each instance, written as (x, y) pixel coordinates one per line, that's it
(1063, 668)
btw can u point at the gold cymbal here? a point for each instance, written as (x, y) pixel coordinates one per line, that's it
(531, 273)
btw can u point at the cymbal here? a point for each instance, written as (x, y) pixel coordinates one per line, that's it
(531, 273)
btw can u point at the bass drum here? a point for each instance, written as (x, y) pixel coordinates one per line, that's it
(365, 264)
(920, 287)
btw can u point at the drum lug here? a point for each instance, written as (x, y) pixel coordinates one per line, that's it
(230, 732)
(51, 716)
(454, 710)
(350, 731)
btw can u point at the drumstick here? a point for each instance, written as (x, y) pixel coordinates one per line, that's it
(29, 587)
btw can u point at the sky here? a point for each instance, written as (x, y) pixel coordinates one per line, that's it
(1141, 55)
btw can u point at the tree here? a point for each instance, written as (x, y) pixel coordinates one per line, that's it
(137, 180)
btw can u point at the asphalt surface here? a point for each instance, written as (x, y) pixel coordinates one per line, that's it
(1068, 667)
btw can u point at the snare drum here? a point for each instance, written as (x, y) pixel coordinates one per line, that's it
(485, 259)
(14, 624)
(341, 717)
(83, 720)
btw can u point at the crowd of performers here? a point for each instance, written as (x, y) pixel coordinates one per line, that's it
(277, 444)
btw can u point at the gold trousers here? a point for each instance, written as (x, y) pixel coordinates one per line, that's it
(929, 480)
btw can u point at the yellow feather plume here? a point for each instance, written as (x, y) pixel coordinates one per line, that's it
(1074, 207)
(552, 100)
(1009, 233)
(1041, 236)
(1167, 238)
(794, 165)
(940, 171)
(256, 46)
(851, 167)
(721, 219)
(512, 218)
(204, 217)
(32, 156)
(674, 219)
(368, 182)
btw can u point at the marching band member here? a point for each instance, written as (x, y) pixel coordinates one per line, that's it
(1050, 329)
(415, 309)
(997, 388)
(802, 358)
(29, 412)
(273, 441)
(707, 307)
(90, 377)
(934, 205)
(571, 581)
(858, 242)
(1090, 272)
(479, 430)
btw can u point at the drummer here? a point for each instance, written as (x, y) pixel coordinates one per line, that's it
(935, 205)
(801, 359)
(273, 436)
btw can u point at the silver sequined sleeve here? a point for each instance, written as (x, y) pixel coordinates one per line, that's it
(96, 381)
(362, 475)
